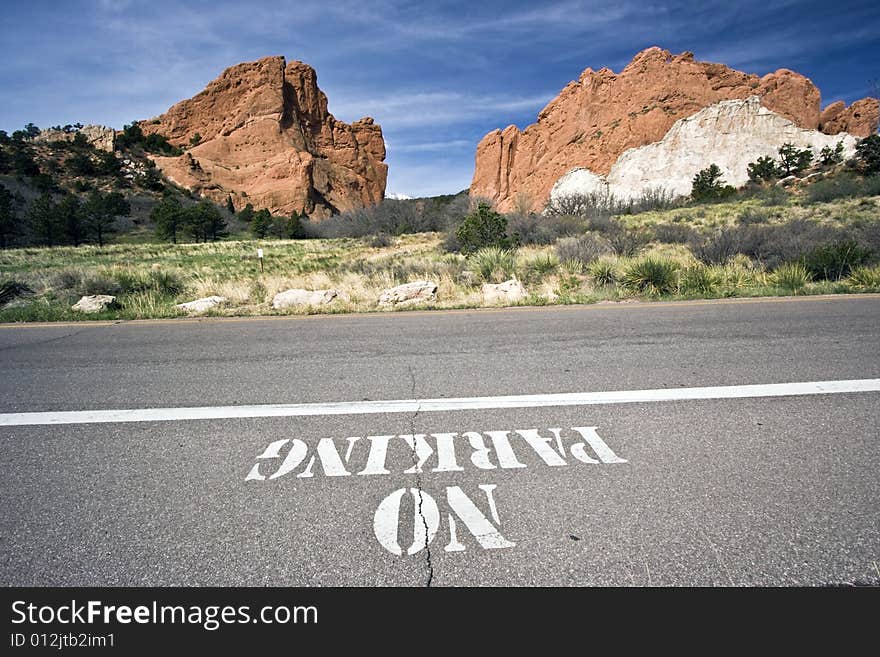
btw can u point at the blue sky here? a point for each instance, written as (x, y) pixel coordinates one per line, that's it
(436, 75)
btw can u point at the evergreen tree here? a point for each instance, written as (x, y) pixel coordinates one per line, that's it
(8, 220)
(482, 228)
(764, 169)
(169, 217)
(101, 211)
(792, 160)
(260, 223)
(230, 207)
(42, 217)
(708, 185)
(70, 218)
(868, 154)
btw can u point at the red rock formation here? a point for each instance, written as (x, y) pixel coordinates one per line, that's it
(597, 118)
(860, 118)
(265, 137)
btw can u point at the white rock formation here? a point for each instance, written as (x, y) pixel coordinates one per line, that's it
(99, 136)
(731, 134)
(299, 297)
(94, 303)
(201, 305)
(409, 294)
(507, 292)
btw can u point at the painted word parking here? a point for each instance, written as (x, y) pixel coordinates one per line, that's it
(372, 456)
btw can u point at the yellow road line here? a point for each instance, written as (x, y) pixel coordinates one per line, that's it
(442, 311)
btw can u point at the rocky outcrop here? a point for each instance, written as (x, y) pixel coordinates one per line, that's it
(860, 118)
(601, 115)
(99, 136)
(262, 135)
(299, 297)
(731, 134)
(409, 294)
(94, 303)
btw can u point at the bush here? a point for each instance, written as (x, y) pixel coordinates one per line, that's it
(74, 283)
(836, 260)
(844, 185)
(792, 277)
(584, 250)
(654, 276)
(673, 233)
(494, 264)
(481, 229)
(773, 196)
(542, 229)
(624, 241)
(603, 272)
(751, 216)
(868, 154)
(718, 248)
(539, 266)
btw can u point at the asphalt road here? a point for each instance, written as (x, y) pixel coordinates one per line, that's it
(772, 490)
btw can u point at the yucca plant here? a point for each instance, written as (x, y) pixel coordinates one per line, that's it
(650, 275)
(699, 279)
(603, 272)
(494, 264)
(791, 277)
(864, 278)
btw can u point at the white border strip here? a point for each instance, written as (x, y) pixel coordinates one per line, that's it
(429, 405)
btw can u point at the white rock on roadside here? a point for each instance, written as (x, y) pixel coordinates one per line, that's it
(94, 303)
(507, 292)
(299, 297)
(201, 305)
(409, 294)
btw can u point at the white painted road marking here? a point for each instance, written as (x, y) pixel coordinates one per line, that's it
(429, 405)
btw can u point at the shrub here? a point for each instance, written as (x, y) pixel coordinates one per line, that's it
(494, 264)
(868, 154)
(844, 185)
(603, 272)
(69, 283)
(654, 276)
(751, 216)
(584, 249)
(836, 260)
(773, 196)
(481, 229)
(718, 248)
(792, 277)
(624, 241)
(673, 233)
(542, 229)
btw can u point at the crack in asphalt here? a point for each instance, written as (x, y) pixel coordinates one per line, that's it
(412, 428)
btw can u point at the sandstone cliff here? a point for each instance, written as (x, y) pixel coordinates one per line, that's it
(594, 120)
(264, 136)
(99, 136)
(731, 134)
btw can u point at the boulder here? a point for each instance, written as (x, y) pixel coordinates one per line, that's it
(94, 303)
(409, 294)
(201, 305)
(265, 137)
(299, 297)
(602, 114)
(507, 292)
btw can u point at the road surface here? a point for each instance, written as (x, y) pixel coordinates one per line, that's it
(698, 443)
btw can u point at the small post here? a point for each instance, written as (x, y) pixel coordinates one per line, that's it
(260, 256)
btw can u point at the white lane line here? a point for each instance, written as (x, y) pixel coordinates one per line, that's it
(428, 405)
